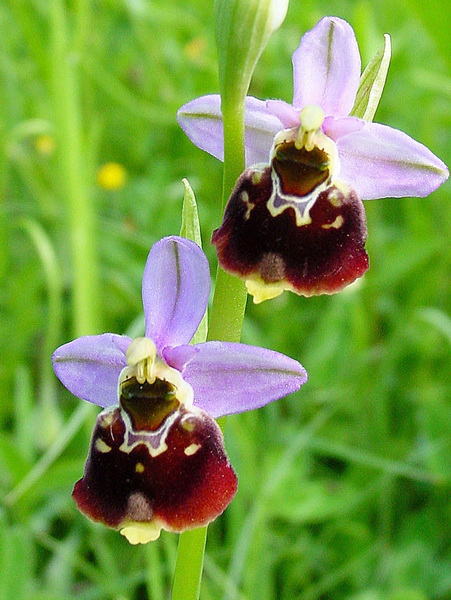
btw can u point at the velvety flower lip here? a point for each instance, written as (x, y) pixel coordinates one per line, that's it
(176, 285)
(376, 160)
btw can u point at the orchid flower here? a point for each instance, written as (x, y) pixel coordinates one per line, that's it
(157, 458)
(296, 221)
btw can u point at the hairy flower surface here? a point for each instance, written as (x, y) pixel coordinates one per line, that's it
(157, 458)
(296, 221)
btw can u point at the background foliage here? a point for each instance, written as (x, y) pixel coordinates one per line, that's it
(345, 486)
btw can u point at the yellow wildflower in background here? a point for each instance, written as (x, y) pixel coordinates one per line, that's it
(195, 49)
(111, 176)
(45, 143)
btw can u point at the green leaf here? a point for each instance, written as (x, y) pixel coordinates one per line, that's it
(407, 594)
(372, 83)
(438, 319)
(60, 476)
(13, 462)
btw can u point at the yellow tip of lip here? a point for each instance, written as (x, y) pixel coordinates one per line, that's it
(262, 291)
(141, 533)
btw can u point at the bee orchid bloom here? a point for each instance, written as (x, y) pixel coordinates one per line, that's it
(295, 219)
(157, 458)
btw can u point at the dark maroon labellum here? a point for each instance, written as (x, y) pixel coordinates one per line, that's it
(280, 228)
(155, 461)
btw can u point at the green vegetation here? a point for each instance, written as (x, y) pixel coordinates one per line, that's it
(344, 487)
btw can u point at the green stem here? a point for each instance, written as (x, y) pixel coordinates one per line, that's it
(73, 170)
(229, 300)
(190, 562)
(227, 312)
(155, 578)
(226, 321)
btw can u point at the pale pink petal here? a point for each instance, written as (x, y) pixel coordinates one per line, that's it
(230, 378)
(326, 67)
(201, 120)
(90, 366)
(287, 114)
(380, 162)
(337, 128)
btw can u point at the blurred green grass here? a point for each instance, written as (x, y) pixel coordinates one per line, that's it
(345, 486)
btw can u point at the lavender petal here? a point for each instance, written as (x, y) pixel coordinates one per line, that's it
(89, 366)
(232, 378)
(380, 162)
(326, 67)
(175, 290)
(201, 120)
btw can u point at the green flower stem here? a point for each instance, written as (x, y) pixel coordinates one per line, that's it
(243, 28)
(229, 300)
(227, 312)
(74, 176)
(226, 321)
(190, 562)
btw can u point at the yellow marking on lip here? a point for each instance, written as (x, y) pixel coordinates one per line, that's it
(187, 423)
(334, 199)
(106, 418)
(192, 449)
(101, 446)
(257, 177)
(244, 196)
(139, 468)
(335, 224)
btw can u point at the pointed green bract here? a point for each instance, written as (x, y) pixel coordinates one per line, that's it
(190, 217)
(372, 83)
(190, 229)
